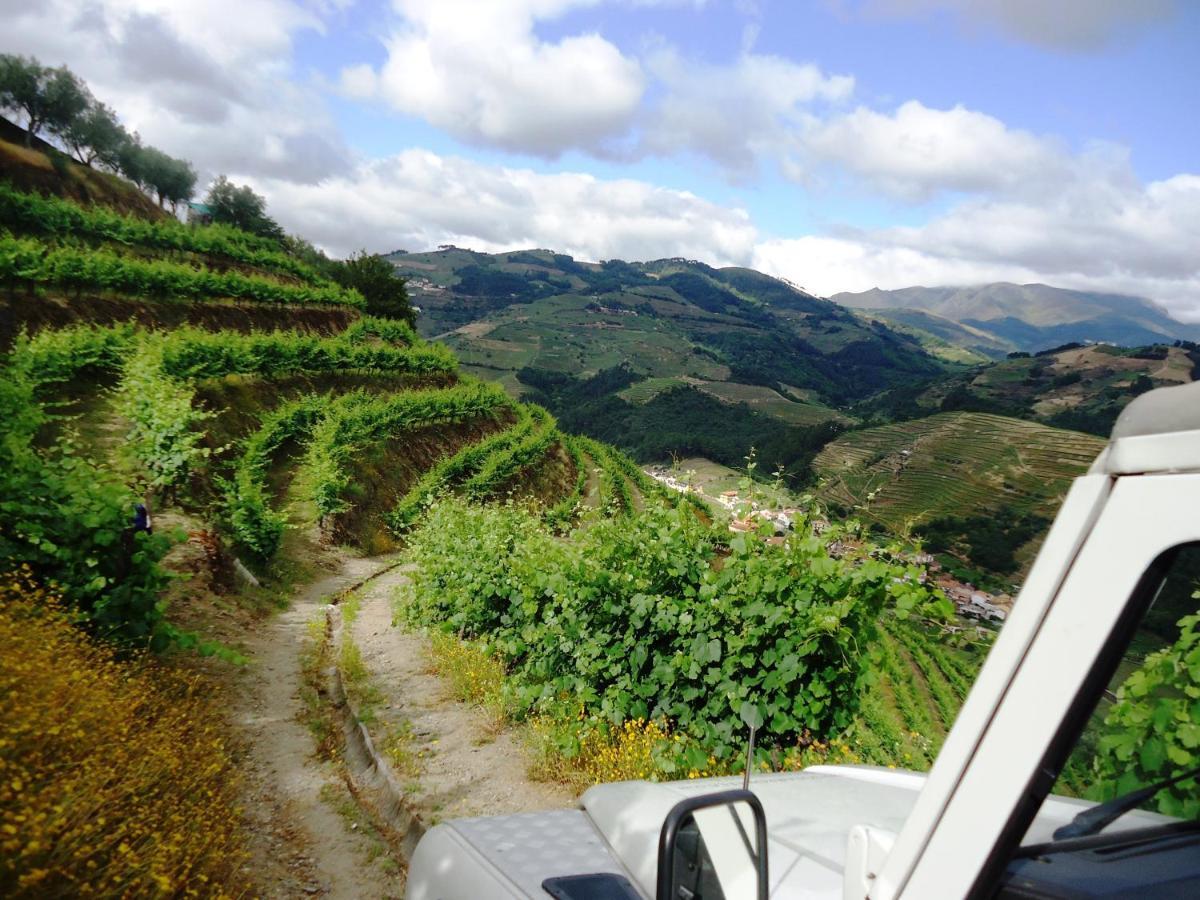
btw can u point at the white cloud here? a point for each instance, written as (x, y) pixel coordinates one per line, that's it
(1056, 24)
(417, 200)
(1103, 232)
(479, 71)
(207, 80)
(734, 113)
(918, 151)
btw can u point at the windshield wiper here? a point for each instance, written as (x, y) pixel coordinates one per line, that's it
(1095, 819)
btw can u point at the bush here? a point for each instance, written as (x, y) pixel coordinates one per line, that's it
(656, 617)
(376, 280)
(28, 262)
(55, 217)
(69, 522)
(1152, 732)
(115, 778)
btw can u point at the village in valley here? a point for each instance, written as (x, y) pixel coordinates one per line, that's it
(747, 513)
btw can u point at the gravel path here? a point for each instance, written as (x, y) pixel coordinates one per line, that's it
(469, 764)
(301, 846)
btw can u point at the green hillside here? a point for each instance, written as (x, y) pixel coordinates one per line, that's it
(1077, 387)
(957, 467)
(219, 443)
(944, 338)
(671, 318)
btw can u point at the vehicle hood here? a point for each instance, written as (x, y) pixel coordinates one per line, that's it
(809, 818)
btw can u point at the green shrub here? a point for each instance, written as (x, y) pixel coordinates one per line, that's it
(24, 213)
(1152, 732)
(660, 616)
(28, 262)
(254, 525)
(357, 420)
(69, 521)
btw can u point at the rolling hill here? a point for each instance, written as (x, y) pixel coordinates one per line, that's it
(957, 466)
(664, 357)
(1076, 386)
(667, 319)
(1026, 317)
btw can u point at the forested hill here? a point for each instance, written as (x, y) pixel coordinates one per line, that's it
(674, 321)
(665, 356)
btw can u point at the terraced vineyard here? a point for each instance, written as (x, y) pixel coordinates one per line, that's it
(69, 262)
(922, 679)
(952, 464)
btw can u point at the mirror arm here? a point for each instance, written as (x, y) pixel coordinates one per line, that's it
(678, 815)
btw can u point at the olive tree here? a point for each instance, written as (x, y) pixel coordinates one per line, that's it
(50, 99)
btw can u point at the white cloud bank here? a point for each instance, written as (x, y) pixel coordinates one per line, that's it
(417, 200)
(918, 152)
(479, 72)
(1107, 234)
(208, 80)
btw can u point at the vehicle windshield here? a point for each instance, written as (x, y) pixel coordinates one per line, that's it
(1143, 732)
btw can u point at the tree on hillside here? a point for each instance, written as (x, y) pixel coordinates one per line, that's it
(129, 159)
(49, 98)
(241, 207)
(172, 180)
(375, 278)
(96, 136)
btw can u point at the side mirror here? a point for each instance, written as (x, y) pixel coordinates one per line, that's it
(714, 847)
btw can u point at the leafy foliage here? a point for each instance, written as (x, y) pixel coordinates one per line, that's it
(24, 261)
(389, 331)
(49, 98)
(164, 435)
(357, 419)
(70, 521)
(682, 420)
(376, 280)
(657, 616)
(255, 526)
(191, 354)
(1153, 730)
(562, 512)
(451, 468)
(507, 462)
(242, 208)
(55, 217)
(988, 540)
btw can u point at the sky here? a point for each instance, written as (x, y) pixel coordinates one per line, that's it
(841, 144)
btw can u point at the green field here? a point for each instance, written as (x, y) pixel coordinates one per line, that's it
(772, 403)
(957, 464)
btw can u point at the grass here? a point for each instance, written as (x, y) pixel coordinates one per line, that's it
(472, 673)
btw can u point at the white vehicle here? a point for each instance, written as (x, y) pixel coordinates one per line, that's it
(983, 821)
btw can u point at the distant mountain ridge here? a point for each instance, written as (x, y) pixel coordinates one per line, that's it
(1028, 317)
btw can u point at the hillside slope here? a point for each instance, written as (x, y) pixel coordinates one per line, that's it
(667, 319)
(1083, 388)
(955, 465)
(43, 168)
(1031, 317)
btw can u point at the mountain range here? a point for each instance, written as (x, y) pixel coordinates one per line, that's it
(995, 319)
